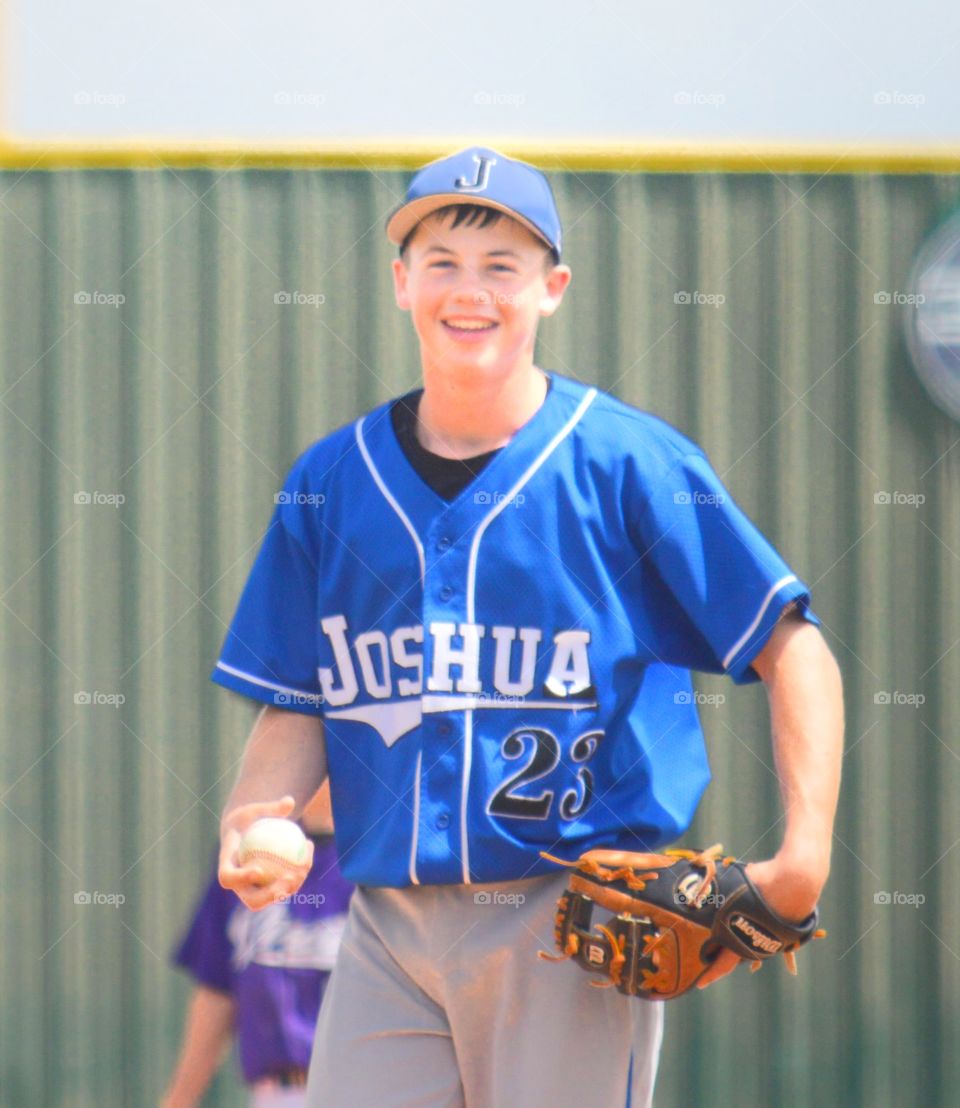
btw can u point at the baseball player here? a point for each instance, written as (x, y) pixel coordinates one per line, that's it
(261, 977)
(478, 608)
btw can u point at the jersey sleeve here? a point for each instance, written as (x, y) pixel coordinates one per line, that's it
(722, 585)
(204, 951)
(270, 650)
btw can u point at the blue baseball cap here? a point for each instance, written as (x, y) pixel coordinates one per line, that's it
(480, 176)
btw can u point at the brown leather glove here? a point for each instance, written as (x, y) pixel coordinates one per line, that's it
(672, 914)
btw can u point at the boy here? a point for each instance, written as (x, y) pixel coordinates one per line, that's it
(485, 600)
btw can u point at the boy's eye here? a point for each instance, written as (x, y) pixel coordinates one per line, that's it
(440, 264)
(503, 268)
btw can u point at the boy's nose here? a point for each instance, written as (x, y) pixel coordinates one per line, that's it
(472, 292)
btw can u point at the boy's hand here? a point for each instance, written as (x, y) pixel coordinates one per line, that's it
(253, 883)
(790, 891)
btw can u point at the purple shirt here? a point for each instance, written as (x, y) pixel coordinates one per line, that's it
(274, 963)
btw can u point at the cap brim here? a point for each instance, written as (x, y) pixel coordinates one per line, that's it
(405, 218)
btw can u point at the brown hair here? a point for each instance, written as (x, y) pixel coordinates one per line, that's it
(473, 215)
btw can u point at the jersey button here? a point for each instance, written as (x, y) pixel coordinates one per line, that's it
(446, 592)
(443, 821)
(444, 728)
(444, 543)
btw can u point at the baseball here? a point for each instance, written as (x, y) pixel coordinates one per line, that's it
(277, 841)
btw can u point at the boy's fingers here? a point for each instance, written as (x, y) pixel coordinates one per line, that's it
(726, 962)
(236, 877)
(282, 807)
(227, 867)
(257, 887)
(256, 898)
(276, 887)
(250, 881)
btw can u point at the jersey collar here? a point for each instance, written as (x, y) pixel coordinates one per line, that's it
(423, 507)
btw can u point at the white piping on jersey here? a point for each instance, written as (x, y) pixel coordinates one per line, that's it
(392, 501)
(414, 880)
(467, 751)
(767, 600)
(471, 600)
(389, 497)
(456, 703)
(523, 479)
(314, 698)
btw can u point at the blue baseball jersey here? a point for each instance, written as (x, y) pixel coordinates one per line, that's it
(507, 672)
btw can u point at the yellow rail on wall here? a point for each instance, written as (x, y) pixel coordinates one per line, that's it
(587, 155)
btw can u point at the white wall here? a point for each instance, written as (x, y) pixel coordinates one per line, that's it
(805, 70)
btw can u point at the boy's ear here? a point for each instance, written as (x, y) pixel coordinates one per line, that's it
(557, 280)
(400, 291)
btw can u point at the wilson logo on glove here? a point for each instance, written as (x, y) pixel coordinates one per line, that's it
(759, 939)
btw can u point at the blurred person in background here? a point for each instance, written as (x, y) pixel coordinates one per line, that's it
(260, 978)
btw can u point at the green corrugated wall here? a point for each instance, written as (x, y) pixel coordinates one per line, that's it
(192, 397)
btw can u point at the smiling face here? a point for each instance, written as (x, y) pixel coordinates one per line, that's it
(477, 293)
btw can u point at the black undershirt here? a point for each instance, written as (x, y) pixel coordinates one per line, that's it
(448, 477)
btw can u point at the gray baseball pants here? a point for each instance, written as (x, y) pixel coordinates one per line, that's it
(438, 1000)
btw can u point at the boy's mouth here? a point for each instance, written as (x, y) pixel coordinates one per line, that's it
(469, 328)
